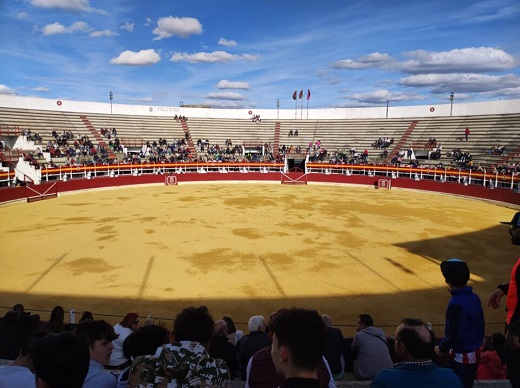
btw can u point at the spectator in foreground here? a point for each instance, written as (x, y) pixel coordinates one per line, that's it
(413, 345)
(123, 329)
(15, 328)
(19, 373)
(512, 290)
(371, 349)
(219, 347)
(334, 349)
(299, 339)
(464, 328)
(60, 361)
(251, 343)
(99, 336)
(185, 362)
(144, 341)
(492, 363)
(56, 321)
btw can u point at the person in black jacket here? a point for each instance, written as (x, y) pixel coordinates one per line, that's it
(220, 347)
(334, 350)
(15, 328)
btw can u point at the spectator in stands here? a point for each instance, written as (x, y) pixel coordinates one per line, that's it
(370, 349)
(464, 328)
(144, 341)
(414, 348)
(512, 290)
(219, 347)
(299, 338)
(492, 363)
(99, 336)
(334, 349)
(19, 373)
(123, 329)
(61, 361)
(234, 335)
(185, 362)
(86, 315)
(56, 321)
(251, 343)
(15, 327)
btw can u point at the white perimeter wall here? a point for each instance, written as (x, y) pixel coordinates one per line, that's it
(423, 111)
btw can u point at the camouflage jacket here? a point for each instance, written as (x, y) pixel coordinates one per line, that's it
(182, 364)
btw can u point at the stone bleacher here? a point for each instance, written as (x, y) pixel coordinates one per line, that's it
(340, 134)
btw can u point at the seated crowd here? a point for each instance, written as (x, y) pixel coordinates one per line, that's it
(296, 345)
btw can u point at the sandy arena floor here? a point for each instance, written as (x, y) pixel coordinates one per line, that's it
(249, 249)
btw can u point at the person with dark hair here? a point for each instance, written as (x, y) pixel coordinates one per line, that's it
(370, 349)
(234, 335)
(185, 362)
(99, 336)
(512, 290)
(464, 328)
(15, 327)
(60, 361)
(492, 363)
(299, 339)
(144, 341)
(56, 321)
(86, 315)
(123, 329)
(414, 344)
(219, 347)
(19, 373)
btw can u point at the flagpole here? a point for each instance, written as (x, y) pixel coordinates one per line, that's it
(296, 107)
(301, 105)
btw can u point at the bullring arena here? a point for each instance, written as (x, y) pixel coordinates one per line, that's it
(157, 237)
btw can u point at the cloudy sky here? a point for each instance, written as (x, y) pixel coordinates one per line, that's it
(251, 53)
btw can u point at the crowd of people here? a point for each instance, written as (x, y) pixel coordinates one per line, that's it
(295, 348)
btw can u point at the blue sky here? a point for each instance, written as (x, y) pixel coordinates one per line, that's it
(251, 53)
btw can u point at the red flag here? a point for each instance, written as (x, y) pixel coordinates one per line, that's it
(301, 93)
(294, 95)
(308, 94)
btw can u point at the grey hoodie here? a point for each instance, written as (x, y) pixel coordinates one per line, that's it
(372, 352)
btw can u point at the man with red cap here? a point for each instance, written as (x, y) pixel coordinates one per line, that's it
(512, 290)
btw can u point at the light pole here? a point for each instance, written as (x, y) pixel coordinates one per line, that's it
(451, 101)
(111, 96)
(277, 109)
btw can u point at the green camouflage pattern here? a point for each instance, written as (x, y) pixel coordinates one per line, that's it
(184, 364)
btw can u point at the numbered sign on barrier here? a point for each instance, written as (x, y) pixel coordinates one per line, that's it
(384, 184)
(170, 180)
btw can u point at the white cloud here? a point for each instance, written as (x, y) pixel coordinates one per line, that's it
(22, 15)
(68, 5)
(99, 34)
(128, 27)
(225, 42)
(462, 83)
(471, 59)
(214, 57)
(225, 84)
(132, 58)
(382, 96)
(6, 90)
(376, 59)
(147, 22)
(174, 26)
(41, 89)
(58, 28)
(226, 96)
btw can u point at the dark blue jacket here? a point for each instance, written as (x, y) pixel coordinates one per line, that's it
(464, 330)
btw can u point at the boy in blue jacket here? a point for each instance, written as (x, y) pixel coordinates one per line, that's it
(464, 329)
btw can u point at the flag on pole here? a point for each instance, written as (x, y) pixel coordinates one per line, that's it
(301, 93)
(308, 94)
(294, 95)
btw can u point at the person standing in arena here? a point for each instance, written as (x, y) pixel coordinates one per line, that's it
(512, 290)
